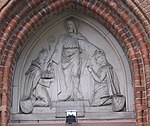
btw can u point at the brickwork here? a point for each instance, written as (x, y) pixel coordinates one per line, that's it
(3, 2)
(144, 5)
(127, 20)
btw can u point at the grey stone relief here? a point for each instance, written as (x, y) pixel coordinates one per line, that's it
(72, 57)
(37, 80)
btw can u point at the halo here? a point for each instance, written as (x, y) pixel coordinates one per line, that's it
(72, 19)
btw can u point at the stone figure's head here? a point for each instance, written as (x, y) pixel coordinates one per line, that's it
(72, 25)
(43, 54)
(99, 57)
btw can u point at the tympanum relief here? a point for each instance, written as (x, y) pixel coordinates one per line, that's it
(73, 57)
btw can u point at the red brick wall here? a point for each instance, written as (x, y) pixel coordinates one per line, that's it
(3, 2)
(127, 20)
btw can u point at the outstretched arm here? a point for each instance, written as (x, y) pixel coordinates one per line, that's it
(86, 46)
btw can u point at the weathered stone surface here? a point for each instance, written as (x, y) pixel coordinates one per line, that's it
(86, 82)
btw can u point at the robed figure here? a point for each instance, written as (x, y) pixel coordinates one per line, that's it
(106, 84)
(35, 88)
(71, 55)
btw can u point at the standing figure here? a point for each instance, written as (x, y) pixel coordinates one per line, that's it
(71, 54)
(106, 83)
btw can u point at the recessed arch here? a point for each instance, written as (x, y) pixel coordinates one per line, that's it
(119, 62)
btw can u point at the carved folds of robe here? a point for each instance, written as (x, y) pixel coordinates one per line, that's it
(106, 87)
(71, 55)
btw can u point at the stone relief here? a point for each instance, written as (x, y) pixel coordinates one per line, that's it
(35, 92)
(71, 58)
(106, 83)
(51, 39)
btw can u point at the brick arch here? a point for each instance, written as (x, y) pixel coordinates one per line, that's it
(116, 16)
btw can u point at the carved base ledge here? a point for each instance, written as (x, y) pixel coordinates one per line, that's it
(80, 123)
